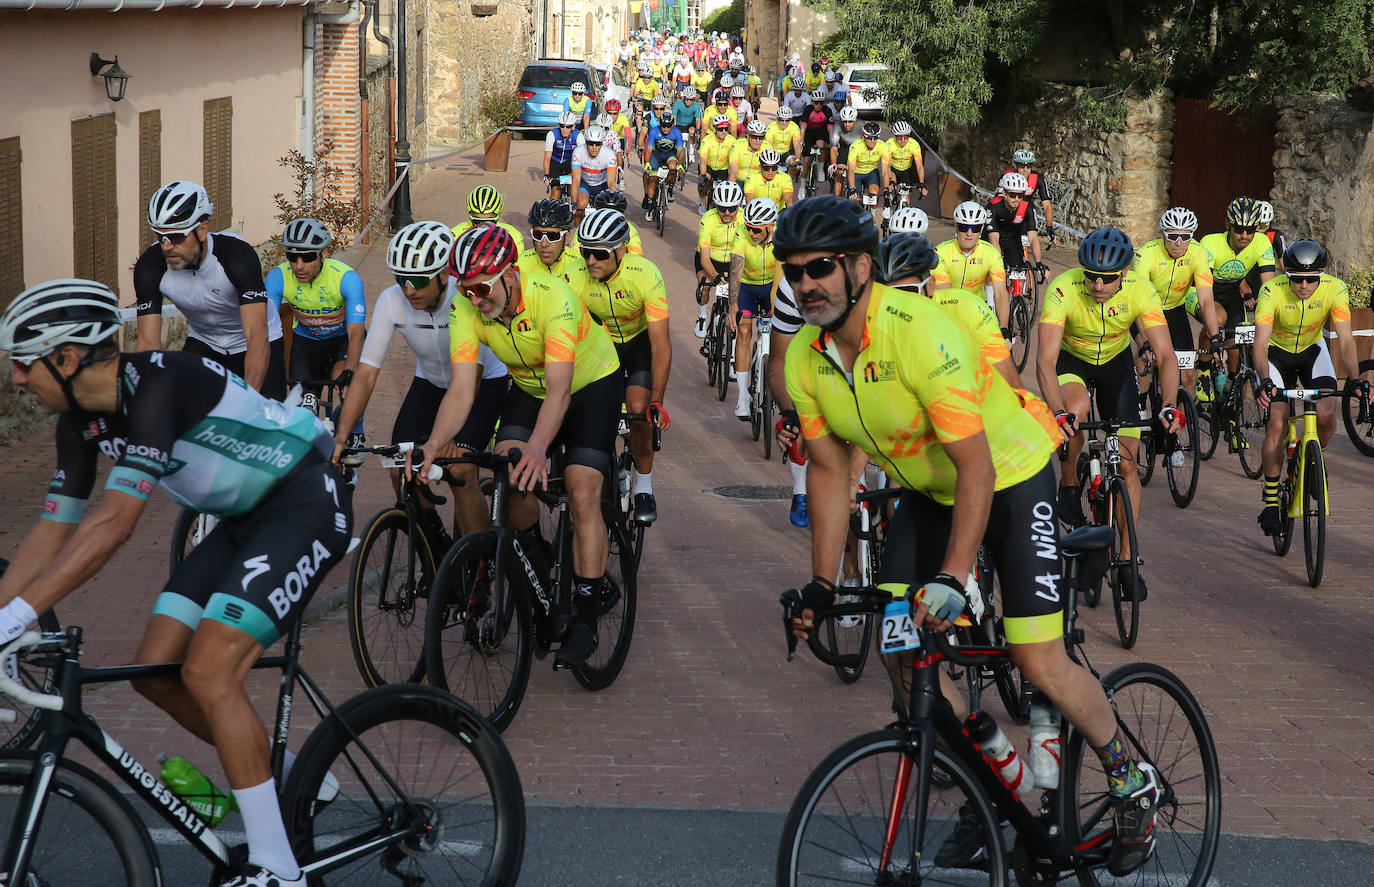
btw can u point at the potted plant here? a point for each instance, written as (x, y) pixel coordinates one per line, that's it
(498, 106)
(1360, 280)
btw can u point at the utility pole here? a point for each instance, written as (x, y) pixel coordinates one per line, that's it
(400, 206)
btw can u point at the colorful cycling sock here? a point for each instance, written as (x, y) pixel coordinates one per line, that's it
(1271, 491)
(1123, 776)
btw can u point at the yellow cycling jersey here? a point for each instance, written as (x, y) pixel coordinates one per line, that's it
(863, 159)
(760, 265)
(634, 247)
(710, 113)
(1096, 332)
(972, 313)
(579, 107)
(514, 233)
(757, 186)
(969, 272)
(551, 325)
(901, 156)
(1229, 266)
(701, 81)
(918, 383)
(780, 138)
(320, 308)
(719, 236)
(745, 160)
(715, 153)
(1298, 322)
(657, 68)
(631, 300)
(1172, 278)
(569, 268)
(620, 124)
(813, 81)
(644, 89)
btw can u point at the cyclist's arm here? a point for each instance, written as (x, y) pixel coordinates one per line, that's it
(851, 168)
(1204, 307)
(1046, 360)
(1260, 350)
(359, 393)
(662, 346)
(276, 290)
(36, 553)
(355, 315)
(1049, 214)
(1034, 239)
(148, 271)
(736, 272)
(254, 317)
(558, 378)
(576, 177)
(1346, 341)
(1167, 361)
(1001, 299)
(994, 238)
(827, 494)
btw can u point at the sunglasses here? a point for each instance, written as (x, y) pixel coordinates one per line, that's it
(1181, 237)
(756, 227)
(415, 283)
(302, 257)
(1244, 229)
(175, 238)
(593, 144)
(970, 229)
(755, 136)
(479, 290)
(1297, 279)
(546, 235)
(565, 126)
(596, 253)
(768, 168)
(1100, 276)
(26, 363)
(816, 269)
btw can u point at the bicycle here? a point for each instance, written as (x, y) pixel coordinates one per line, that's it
(624, 477)
(497, 603)
(879, 807)
(867, 528)
(1356, 415)
(1239, 413)
(719, 345)
(464, 808)
(21, 732)
(662, 198)
(563, 184)
(1024, 301)
(761, 403)
(811, 182)
(1179, 452)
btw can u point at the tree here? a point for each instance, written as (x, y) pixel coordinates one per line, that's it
(728, 19)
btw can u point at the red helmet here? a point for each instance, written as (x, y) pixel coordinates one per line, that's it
(613, 105)
(482, 251)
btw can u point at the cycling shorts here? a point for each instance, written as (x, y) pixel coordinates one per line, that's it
(1118, 396)
(559, 168)
(718, 174)
(1309, 368)
(314, 359)
(1180, 329)
(721, 267)
(637, 361)
(755, 298)
(415, 418)
(816, 136)
(589, 426)
(873, 177)
(273, 384)
(1228, 298)
(592, 190)
(659, 158)
(907, 176)
(258, 572)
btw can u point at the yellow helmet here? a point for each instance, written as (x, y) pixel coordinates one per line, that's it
(485, 202)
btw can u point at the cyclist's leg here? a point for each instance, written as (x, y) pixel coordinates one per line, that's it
(1181, 332)
(470, 512)
(1118, 398)
(637, 366)
(1073, 375)
(1319, 372)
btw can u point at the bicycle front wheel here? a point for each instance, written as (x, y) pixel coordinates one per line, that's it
(113, 847)
(1184, 450)
(767, 423)
(414, 762)
(1125, 570)
(1163, 725)
(1249, 427)
(838, 829)
(615, 623)
(1314, 511)
(27, 726)
(1020, 323)
(388, 597)
(727, 359)
(1149, 443)
(1361, 432)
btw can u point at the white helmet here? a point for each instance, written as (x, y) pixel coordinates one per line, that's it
(1266, 213)
(818, 96)
(1013, 183)
(968, 213)
(604, 119)
(737, 92)
(567, 118)
(579, 87)
(784, 113)
(726, 81)
(45, 317)
(757, 128)
(849, 114)
(909, 219)
(769, 157)
(420, 248)
(720, 120)
(728, 195)
(604, 228)
(594, 135)
(178, 206)
(901, 128)
(1178, 218)
(761, 211)
(306, 234)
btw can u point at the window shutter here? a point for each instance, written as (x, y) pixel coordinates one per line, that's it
(95, 247)
(11, 222)
(218, 157)
(149, 169)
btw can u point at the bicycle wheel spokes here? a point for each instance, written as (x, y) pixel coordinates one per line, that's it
(1125, 571)
(1360, 429)
(1020, 329)
(1249, 427)
(1181, 463)
(388, 592)
(1314, 512)
(616, 622)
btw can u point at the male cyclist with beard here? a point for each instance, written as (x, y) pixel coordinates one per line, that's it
(844, 136)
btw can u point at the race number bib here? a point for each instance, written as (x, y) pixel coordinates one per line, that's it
(663, 172)
(1245, 335)
(870, 200)
(722, 291)
(898, 632)
(1186, 359)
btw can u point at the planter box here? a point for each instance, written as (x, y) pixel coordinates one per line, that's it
(1363, 319)
(496, 151)
(953, 192)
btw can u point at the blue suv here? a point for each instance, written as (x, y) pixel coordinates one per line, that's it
(544, 86)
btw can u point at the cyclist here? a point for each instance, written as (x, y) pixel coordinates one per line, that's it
(1037, 187)
(718, 233)
(701, 82)
(568, 389)
(905, 162)
(485, 204)
(615, 200)
(1276, 239)
(721, 100)
(744, 159)
(682, 74)
(744, 111)
(688, 113)
(580, 105)
(818, 120)
(666, 149)
(786, 322)
(1013, 227)
(815, 78)
(868, 166)
(559, 145)
(620, 126)
(1174, 264)
(628, 298)
(417, 307)
(769, 182)
(797, 101)
(327, 308)
(753, 279)
(842, 139)
(262, 468)
(713, 159)
(1234, 253)
(1085, 340)
(215, 280)
(973, 459)
(643, 92)
(593, 168)
(784, 136)
(968, 263)
(1290, 350)
(909, 220)
(752, 83)
(550, 222)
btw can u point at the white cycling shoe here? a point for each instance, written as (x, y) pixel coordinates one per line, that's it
(261, 877)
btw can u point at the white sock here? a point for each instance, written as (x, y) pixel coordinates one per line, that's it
(702, 311)
(644, 483)
(742, 380)
(798, 478)
(267, 842)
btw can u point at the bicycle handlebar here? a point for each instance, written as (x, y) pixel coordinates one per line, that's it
(651, 416)
(1112, 426)
(13, 689)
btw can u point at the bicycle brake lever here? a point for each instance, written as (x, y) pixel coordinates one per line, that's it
(790, 600)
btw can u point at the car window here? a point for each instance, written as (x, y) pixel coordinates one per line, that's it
(865, 76)
(553, 77)
(618, 79)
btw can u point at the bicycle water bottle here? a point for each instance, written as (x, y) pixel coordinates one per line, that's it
(997, 751)
(1043, 753)
(195, 788)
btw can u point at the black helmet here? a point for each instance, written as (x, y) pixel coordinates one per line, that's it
(905, 255)
(815, 67)
(551, 214)
(825, 223)
(609, 199)
(1305, 257)
(1106, 250)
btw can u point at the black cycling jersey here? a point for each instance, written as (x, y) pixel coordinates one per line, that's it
(1009, 231)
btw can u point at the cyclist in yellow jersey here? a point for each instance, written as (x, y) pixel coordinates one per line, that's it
(967, 262)
(718, 233)
(568, 389)
(713, 158)
(721, 105)
(580, 105)
(744, 159)
(905, 161)
(484, 205)
(768, 182)
(1290, 351)
(1175, 264)
(892, 374)
(1234, 253)
(550, 222)
(628, 296)
(784, 136)
(701, 82)
(814, 79)
(868, 167)
(1085, 339)
(615, 200)
(754, 276)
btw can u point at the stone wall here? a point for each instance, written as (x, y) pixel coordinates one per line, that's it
(466, 53)
(1119, 178)
(1324, 176)
(378, 129)
(20, 412)
(763, 23)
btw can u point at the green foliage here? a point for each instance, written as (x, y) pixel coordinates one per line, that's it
(317, 192)
(498, 105)
(729, 19)
(1102, 114)
(1360, 280)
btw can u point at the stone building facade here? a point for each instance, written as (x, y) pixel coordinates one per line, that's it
(778, 28)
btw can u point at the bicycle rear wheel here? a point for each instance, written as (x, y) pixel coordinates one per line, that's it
(388, 596)
(1125, 572)
(837, 830)
(1314, 511)
(1149, 442)
(616, 623)
(715, 329)
(726, 356)
(1020, 323)
(1183, 478)
(767, 422)
(191, 527)
(460, 807)
(477, 634)
(1163, 725)
(756, 387)
(37, 675)
(1361, 432)
(1249, 425)
(1210, 426)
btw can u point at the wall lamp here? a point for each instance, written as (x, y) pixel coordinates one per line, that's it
(116, 78)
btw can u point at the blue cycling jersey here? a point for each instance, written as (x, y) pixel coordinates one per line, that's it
(686, 114)
(324, 307)
(562, 147)
(674, 135)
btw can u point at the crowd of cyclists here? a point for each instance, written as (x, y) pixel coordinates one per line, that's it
(885, 347)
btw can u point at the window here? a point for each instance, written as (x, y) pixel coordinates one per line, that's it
(218, 159)
(11, 222)
(149, 168)
(94, 205)
(552, 77)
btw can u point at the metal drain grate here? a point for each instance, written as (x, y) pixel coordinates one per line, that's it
(748, 491)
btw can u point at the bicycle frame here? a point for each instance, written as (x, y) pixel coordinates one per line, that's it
(1302, 427)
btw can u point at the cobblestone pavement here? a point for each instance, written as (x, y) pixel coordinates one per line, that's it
(708, 714)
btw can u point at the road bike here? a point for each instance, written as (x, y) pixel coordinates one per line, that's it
(719, 346)
(1023, 302)
(624, 477)
(815, 178)
(761, 403)
(1355, 413)
(1238, 414)
(852, 635)
(878, 809)
(1178, 453)
(663, 196)
(21, 732)
(501, 597)
(460, 818)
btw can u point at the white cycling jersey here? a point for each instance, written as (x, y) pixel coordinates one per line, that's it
(425, 333)
(594, 169)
